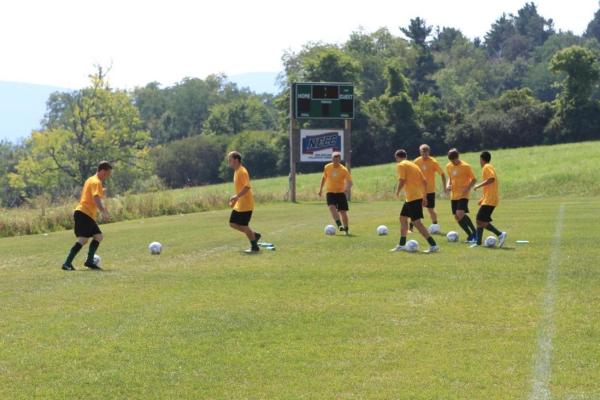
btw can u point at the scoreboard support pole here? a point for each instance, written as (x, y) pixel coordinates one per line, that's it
(294, 148)
(348, 149)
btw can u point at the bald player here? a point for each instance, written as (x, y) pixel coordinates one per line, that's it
(337, 181)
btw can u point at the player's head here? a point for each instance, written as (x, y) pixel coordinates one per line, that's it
(234, 158)
(485, 157)
(400, 155)
(104, 170)
(453, 156)
(336, 157)
(425, 151)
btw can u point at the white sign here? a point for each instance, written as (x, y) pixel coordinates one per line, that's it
(316, 145)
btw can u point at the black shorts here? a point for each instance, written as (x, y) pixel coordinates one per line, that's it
(413, 209)
(485, 213)
(461, 204)
(338, 200)
(430, 200)
(240, 217)
(85, 226)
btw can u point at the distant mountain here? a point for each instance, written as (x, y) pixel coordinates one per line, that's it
(259, 82)
(22, 107)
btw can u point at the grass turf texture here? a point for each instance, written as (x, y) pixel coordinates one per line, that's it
(542, 171)
(320, 317)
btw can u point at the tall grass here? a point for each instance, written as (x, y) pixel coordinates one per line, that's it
(543, 171)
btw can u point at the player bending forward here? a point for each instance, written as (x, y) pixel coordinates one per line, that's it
(86, 226)
(489, 201)
(412, 180)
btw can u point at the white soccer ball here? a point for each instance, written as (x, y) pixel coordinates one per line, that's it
(155, 248)
(97, 259)
(382, 230)
(452, 236)
(434, 229)
(490, 241)
(412, 246)
(330, 230)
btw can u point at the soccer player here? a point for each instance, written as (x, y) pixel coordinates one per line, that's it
(338, 181)
(86, 226)
(430, 167)
(489, 201)
(460, 182)
(242, 202)
(412, 180)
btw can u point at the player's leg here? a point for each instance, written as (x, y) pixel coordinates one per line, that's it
(97, 237)
(417, 218)
(332, 204)
(342, 208)
(404, 216)
(500, 234)
(431, 208)
(82, 232)
(240, 221)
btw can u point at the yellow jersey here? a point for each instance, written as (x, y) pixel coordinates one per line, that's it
(241, 179)
(429, 168)
(413, 178)
(335, 178)
(490, 192)
(91, 188)
(460, 177)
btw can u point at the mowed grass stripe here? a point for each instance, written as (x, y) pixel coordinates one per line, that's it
(542, 368)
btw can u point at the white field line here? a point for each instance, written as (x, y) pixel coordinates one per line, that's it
(542, 367)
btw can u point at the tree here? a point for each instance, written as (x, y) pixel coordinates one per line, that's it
(423, 66)
(260, 154)
(80, 129)
(593, 28)
(576, 116)
(190, 162)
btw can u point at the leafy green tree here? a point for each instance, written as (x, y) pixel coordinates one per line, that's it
(593, 28)
(577, 116)
(240, 115)
(9, 158)
(424, 66)
(82, 128)
(260, 154)
(191, 161)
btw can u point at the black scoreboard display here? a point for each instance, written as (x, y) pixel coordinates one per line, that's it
(323, 100)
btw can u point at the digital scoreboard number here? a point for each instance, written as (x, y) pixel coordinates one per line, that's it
(323, 100)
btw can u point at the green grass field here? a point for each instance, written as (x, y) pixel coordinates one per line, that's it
(542, 171)
(319, 318)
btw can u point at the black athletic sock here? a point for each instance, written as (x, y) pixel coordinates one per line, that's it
(493, 229)
(479, 235)
(94, 244)
(338, 222)
(470, 225)
(402, 240)
(254, 244)
(434, 222)
(431, 241)
(74, 250)
(463, 224)
(411, 226)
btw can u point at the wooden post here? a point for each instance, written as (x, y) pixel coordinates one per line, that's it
(348, 148)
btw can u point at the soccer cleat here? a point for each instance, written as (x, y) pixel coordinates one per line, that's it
(472, 246)
(252, 250)
(344, 229)
(471, 239)
(502, 239)
(432, 249)
(91, 265)
(398, 248)
(68, 267)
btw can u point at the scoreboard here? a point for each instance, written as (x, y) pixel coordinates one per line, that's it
(323, 100)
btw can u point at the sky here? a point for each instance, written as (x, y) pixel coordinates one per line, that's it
(58, 42)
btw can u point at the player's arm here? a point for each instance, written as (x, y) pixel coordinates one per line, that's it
(100, 205)
(444, 185)
(234, 199)
(486, 182)
(424, 191)
(471, 185)
(400, 186)
(323, 179)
